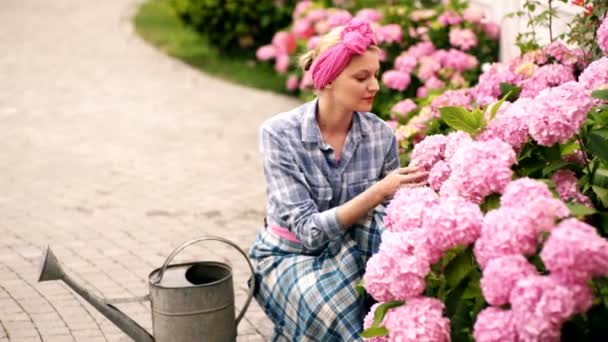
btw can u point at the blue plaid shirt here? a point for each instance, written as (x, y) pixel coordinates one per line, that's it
(304, 181)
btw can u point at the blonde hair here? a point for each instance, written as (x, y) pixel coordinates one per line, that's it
(327, 41)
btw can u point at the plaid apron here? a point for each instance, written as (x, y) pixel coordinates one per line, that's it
(311, 296)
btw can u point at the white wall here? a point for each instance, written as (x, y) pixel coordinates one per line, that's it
(498, 9)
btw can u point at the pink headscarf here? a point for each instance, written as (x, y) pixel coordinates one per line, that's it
(356, 37)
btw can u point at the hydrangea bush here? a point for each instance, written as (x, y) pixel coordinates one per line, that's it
(508, 242)
(427, 47)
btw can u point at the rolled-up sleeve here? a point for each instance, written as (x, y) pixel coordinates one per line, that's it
(290, 203)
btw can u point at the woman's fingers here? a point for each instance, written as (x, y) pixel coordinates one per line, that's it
(415, 185)
(416, 176)
(408, 170)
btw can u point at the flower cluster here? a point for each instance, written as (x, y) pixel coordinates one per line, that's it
(602, 36)
(573, 253)
(417, 238)
(420, 319)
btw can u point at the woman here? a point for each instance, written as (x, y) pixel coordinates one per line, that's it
(329, 167)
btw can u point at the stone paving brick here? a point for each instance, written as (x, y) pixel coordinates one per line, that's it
(114, 154)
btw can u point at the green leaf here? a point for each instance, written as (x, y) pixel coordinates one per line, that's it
(597, 143)
(509, 92)
(551, 153)
(473, 289)
(554, 166)
(497, 106)
(360, 287)
(374, 332)
(601, 94)
(600, 178)
(569, 148)
(462, 120)
(580, 210)
(602, 195)
(459, 268)
(489, 203)
(382, 309)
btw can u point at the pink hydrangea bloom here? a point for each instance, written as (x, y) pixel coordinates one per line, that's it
(533, 197)
(556, 114)
(284, 42)
(449, 18)
(540, 305)
(495, 325)
(455, 221)
(377, 277)
(463, 38)
(438, 174)
(420, 319)
(454, 141)
(317, 14)
(566, 183)
(481, 168)
(429, 66)
(501, 274)
(458, 60)
(338, 18)
(586, 254)
(404, 107)
(397, 80)
(406, 211)
(602, 36)
(281, 63)
(369, 14)
(510, 123)
(547, 76)
(563, 54)
(406, 62)
(434, 83)
(506, 231)
(303, 29)
(422, 92)
(312, 42)
(522, 191)
(398, 270)
(459, 98)
(492, 29)
(581, 293)
(266, 52)
(473, 14)
(429, 151)
(301, 8)
(292, 82)
(421, 49)
(487, 89)
(595, 76)
(391, 33)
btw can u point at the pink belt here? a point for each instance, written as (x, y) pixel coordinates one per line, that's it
(283, 233)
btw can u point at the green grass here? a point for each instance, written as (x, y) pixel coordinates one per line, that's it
(157, 23)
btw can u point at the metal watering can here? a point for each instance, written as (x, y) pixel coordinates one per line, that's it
(190, 302)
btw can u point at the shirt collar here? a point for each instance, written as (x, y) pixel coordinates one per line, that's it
(310, 127)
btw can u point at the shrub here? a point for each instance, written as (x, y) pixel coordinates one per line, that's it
(235, 24)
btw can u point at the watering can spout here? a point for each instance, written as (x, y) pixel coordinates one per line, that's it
(51, 270)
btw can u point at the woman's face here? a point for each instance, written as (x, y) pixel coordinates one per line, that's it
(356, 86)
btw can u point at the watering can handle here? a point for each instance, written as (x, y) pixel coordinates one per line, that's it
(213, 238)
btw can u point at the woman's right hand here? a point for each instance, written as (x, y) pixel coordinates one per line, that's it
(403, 177)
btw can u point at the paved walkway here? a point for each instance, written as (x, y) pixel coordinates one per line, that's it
(114, 154)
